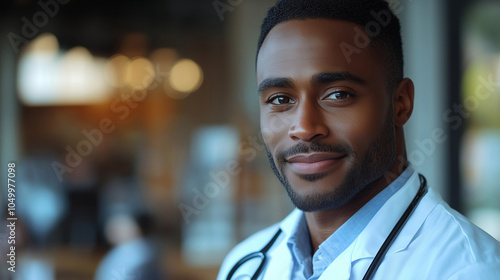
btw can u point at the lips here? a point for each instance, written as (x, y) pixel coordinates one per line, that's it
(314, 163)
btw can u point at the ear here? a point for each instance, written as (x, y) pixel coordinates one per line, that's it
(403, 101)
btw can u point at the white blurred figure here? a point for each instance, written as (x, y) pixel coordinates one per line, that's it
(135, 255)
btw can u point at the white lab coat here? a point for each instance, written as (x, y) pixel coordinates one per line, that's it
(436, 243)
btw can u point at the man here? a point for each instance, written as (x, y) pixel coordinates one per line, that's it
(333, 103)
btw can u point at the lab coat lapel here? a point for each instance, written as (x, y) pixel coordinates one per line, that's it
(376, 232)
(279, 259)
(373, 236)
(280, 263)
(340, 268)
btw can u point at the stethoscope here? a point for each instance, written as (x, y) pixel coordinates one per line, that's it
(378, 257)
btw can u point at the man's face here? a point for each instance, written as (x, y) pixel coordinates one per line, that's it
(327, 124)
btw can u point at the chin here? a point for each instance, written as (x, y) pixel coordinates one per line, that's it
(318, 192)
(317, 201)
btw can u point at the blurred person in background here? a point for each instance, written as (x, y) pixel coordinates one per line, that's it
(333, 103)
(135, 253)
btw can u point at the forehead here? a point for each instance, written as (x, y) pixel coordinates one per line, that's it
(300, 48)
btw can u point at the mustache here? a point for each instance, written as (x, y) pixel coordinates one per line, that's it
(315, 146)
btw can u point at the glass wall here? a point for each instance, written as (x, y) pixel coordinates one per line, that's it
(479, 111)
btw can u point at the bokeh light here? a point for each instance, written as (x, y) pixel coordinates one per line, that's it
(185, 77)
(139, 73)
(116, 70)
(45, 43)
(37, 80)
(164, 59)
(47, 76)
(82, 78)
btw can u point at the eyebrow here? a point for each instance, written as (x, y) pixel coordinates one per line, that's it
(317, 79)
(275, 83)
(330, 77)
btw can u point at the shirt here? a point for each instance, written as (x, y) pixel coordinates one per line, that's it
(311, 268)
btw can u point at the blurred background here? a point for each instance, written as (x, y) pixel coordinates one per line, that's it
(134, 129)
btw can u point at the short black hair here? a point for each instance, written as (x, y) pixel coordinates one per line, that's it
(366, 13)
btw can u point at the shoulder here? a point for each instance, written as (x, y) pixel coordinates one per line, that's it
(453, 226)
(439, 243)
(252, 244)
(453, 243)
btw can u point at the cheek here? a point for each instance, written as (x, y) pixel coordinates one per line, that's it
(360, 128)
(274, 128)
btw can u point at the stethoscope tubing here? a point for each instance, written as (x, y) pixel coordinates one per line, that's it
(377, 260)
(250, 256)
(396, 230)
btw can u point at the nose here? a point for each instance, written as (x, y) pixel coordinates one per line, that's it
(308, 123)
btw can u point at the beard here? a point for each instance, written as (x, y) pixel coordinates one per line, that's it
(363, 170)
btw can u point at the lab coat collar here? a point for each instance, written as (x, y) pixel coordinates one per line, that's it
(281, 269)
(290, 222)
(373, 236)
(341, 265)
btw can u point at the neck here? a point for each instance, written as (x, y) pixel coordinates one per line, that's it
(322, 224)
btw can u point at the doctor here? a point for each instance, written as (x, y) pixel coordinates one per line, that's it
(333, 103)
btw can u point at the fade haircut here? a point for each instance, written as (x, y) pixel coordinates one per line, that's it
(366, 13)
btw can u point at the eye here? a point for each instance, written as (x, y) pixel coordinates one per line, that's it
(338, 95)
(281, 100)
